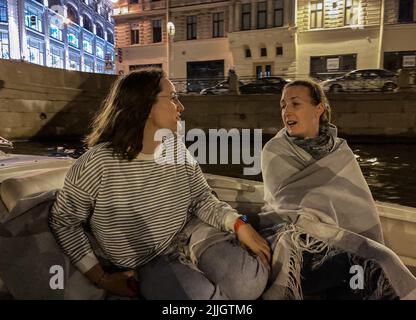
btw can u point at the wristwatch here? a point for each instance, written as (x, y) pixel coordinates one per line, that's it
(239, 222)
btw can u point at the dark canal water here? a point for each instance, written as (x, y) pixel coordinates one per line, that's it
(390, 169)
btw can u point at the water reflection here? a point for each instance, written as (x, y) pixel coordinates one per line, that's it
(390, 171)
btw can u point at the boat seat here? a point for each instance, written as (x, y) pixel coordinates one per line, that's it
(14, 189)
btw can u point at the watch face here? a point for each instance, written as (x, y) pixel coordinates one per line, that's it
(244, 218)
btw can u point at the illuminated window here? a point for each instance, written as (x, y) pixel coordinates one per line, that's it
(33, 18)
(317, 14)
(57, 57)
(36, 50)
(73, 35)
(88, 64)
(74, 61)
(87, 40)
(134, 36)
(56, 27)
(4, 45)
(100, 67)
(3, 11)
(351, 16)
(99, 49)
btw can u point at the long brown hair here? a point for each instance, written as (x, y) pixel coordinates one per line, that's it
(123, 114)
(317, 95)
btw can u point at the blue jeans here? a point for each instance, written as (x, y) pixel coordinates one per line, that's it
(228, 272)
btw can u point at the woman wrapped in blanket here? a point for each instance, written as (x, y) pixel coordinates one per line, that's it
(138, 194)
(319, 214)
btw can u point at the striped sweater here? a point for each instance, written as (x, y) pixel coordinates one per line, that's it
(134, 208)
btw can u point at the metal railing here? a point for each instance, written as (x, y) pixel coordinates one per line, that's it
(195, 85)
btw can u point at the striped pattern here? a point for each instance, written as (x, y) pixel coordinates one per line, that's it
(134, 208)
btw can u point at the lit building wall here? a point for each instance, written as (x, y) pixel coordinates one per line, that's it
(336, 36)
(263, 43)
(136, 25)
(298, 39)
(208, 31)
(67, 34)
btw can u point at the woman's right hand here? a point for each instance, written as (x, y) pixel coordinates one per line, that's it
(120, 284)
(250, 239)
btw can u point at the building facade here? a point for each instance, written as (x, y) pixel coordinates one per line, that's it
(338, 36)
(303, 38)
(211, 37)
(67, 34)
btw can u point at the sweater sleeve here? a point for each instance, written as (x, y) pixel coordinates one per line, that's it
(206, 205)
(71, 211)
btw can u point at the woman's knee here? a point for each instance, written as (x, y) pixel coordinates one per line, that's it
(167, 280)
(248, 284)
(241, 275)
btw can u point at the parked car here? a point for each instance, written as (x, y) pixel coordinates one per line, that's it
(196, 85)
(362, 80)
(220, 88)
(264, 85)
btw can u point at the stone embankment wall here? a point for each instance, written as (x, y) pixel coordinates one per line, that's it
(38, 102)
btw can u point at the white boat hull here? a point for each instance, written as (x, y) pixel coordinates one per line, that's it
(398, 222)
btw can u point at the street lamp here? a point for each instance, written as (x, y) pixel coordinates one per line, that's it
(170, 27)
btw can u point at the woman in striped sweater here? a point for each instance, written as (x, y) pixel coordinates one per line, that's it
(137, 197)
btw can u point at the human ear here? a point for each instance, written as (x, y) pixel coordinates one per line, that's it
(319, 109)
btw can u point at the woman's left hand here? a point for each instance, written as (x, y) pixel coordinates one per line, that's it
(255, 243)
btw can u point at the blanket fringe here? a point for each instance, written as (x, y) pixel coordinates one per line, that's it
(300, 242)
(378, 285)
